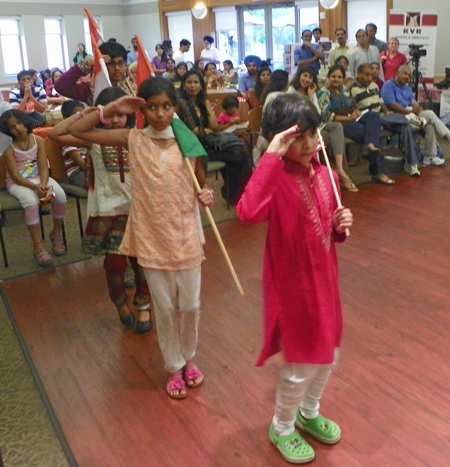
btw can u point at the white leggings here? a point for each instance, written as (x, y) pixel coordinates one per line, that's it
(176, 300)
(29, 197)
(301, 388)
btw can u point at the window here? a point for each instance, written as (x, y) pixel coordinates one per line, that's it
(55, 42)
(361, 12)
(308, 14)
(87, 33)
(227, 34)
(12, 45)
(180, 27)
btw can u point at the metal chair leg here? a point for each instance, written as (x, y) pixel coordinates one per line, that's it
(80, 220)
(2, 242)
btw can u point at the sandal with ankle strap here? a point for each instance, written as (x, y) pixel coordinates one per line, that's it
(192, 373)
(43, 257)
(58, 245)
(176, 383)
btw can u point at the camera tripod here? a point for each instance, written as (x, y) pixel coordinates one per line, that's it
(417, 78)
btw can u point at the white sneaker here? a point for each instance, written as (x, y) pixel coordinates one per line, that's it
(432, 160)
(412, 170)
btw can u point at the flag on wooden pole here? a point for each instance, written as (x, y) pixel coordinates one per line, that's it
(144, 72)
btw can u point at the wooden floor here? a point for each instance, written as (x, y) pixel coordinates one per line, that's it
(390, 393)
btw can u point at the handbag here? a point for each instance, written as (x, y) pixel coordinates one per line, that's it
(38, 118)
(221, 141)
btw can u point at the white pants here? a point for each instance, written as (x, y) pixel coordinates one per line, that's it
(28, 197)
(176, 300)
(434, 124)
(301, 388)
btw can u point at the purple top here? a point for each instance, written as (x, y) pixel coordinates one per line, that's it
(159, 64)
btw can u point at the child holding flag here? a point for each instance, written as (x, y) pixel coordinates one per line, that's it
(163, 230)
(303, 312)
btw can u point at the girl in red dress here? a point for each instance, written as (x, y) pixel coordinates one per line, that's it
(303, 312)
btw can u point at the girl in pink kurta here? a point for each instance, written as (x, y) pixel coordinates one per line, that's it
(303, 313)
(163, 230)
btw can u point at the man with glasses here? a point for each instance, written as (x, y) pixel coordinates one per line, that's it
(343, 49)
(115, 56)
(364, 53)
(398, 96)
(308, 53)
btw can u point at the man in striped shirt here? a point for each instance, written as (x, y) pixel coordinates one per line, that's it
(28, 98)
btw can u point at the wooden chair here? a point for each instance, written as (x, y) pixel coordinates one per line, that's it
(58, 172)
(9, 203)
(254, 117)
(218, 109)
(215, 168)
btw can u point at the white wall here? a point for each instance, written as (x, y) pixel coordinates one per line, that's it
(118, 20)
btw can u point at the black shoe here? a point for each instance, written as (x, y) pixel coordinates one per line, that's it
(129, 321)
(144, 326)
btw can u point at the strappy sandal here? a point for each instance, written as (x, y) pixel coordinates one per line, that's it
(191, 373)
(292, 447)
(348, 185)
(383, 179)
(43, 257)
(176, 383)
(321, 428)
(58, 245)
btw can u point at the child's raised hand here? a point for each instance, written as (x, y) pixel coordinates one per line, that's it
(342, 219)
(281, 142)
(206, 198)
(126, 105)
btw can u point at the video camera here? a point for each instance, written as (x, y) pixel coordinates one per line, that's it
(415, 52)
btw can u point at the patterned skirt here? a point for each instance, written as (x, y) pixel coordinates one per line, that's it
(104, 234)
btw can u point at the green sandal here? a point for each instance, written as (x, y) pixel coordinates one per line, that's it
(320, 428)
(293, 447)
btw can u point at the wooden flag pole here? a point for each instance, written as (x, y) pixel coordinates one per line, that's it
(333, 182)
(214, 227)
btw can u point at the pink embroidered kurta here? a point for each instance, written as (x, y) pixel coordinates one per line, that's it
(162, 229)
(302, 305)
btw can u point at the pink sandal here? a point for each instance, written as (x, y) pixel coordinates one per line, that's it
(43, 257)
(176, 383)
(191, 373)
(58, 245)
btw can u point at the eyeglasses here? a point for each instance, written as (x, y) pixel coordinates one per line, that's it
(120, 64)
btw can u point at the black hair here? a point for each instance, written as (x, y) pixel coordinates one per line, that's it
(155, 86)
(295, 82)
(360, 30)
(278, 82)
(21, 116)
(184, 42)
(306, 30)
(84, 53)
(56, 70)
(333, 68)
(230, 102)
(373, 25)
(207, 65)
(259, 87)
(338, 59)
(201, 98)
(23, 73)
(340, 29)
(32, 72)
(167, 47)
(228, 62)
(112, 39)
(113, 49)
(46, 71)
(170, 59)
(317, 29)
(68, 107)
(362, 66)
(196, 64)
(177, 77)
(111, 94)
(287, 110)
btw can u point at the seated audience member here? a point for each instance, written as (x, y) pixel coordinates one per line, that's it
(304, 83)
(278, 84)
(366, 96)
(230, 74)
(230, 114)
(28, 98)
(262, 80)
(159, 62)
(398, 96)
(74, 158)
(376, 75)
(248, 81)
(180, 71)
(392, 59)
(364, 53)
(53, 98)
(214, 79)
(45, 75)
(170, 73)
(68, 84)
(132, 72)
(199, 65)
(336, 105)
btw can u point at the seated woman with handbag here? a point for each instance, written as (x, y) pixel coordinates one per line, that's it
(336, 105)
(196, 112)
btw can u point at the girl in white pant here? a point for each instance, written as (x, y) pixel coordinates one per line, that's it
(302, 307)
(28, 180)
